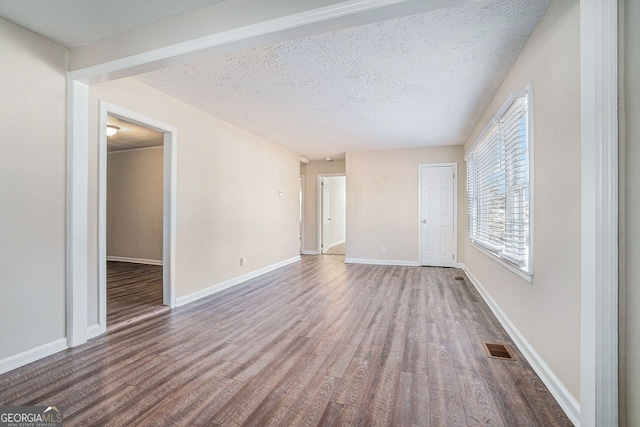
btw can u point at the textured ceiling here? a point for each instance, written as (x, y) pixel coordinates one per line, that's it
(132, 136)
(73, 23)
(416, 81)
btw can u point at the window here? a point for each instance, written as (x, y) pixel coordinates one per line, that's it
(498, 185)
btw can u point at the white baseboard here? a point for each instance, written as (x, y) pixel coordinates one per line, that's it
(310, 253)
(93, 331)
(135, 260)
(566, 400)
(26, 357)
(381, 262)
(180, 301)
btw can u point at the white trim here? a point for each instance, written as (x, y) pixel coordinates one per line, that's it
(599, 214)
(319, 235)
(455, 209)
(94, 331)
(28, 356)
(522, 274)
(370, 261)
(180, 301)
(135, 260)
(565, 399)
(169, 202)
(310, 252)
(76, 216)
(302, 216)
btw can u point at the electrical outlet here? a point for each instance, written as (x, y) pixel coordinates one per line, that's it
(243, 261)
(384, 249)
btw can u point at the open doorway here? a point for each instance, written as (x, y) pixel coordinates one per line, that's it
(333, 214)
(136, 217)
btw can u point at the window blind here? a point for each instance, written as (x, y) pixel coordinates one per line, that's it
(498, 185)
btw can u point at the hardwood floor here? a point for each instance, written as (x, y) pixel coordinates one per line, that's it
(134, 293)
(314, 343)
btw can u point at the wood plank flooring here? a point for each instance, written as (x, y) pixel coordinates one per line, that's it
(337, 250)
(314, 343)
(134, 293)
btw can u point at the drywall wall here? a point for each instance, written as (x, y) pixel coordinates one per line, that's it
(310, 198)
(134, 204)
(32, 188)
(382, 201)
(337, 209)
(228, 184)
(630, 226)
(547, 312)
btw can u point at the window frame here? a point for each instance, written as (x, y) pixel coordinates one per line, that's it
(486, 249)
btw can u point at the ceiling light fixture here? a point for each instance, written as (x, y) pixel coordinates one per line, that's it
(112, 130)
(328, 159)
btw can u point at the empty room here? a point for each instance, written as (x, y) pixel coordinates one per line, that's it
(319, 212)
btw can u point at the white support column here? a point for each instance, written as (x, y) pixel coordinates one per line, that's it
(599, 298)
(77, 193)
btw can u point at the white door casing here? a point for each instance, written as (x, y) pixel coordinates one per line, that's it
(326, 215)
(438, 216)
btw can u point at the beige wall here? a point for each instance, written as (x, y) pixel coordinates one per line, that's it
(630, 225)
(134, 203)
(227, 198)
(32, 187)
(546, 312)
(382, 201)
(310, 172)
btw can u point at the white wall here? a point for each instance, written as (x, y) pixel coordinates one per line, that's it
(630, 225)
(382, 201)
(547, 312)
(134, 203)
(32, 187)
(227, 198)
(338, 209)
(310, 172)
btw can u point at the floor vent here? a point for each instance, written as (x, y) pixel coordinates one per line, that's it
(498, 351)
(458, 278)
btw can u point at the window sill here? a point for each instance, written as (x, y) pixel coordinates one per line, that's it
(523, 275)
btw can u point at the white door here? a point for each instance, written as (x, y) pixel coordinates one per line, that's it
(326, 215)
(437, 222)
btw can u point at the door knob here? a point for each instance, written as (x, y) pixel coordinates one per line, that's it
(424, 221)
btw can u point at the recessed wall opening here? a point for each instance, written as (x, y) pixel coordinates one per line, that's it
(134, 222)
(135, 211)
(333, 214)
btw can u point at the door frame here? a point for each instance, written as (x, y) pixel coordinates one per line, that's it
(319, 203)
(169, 192)
(422, 167)
(302, 217)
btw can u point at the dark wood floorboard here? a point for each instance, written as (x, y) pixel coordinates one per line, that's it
(134, 293)
(314, 343)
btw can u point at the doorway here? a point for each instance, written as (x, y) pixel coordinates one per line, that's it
(438, 214)
(333, 214)
(136, 217)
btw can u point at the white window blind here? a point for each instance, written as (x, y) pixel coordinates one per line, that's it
(498, 177)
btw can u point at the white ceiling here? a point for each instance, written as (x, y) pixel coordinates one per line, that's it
(415, 81)
(74, 23)
(132, 136)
